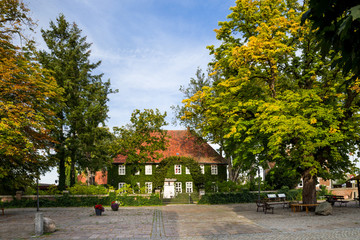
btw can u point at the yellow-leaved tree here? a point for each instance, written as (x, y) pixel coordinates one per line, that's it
(278, 100)
(28, 96)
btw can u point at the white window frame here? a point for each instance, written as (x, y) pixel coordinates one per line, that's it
(189, 187)
(121, 185)
(214, 169)
(137, 172)
(148, 169)
(202, 168)
(177, 169)
(178, 187)
(148, 187)
(122, 170)
(187, 170)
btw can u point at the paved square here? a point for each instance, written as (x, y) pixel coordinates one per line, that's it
(233, 221)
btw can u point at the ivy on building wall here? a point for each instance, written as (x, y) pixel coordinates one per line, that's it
(165, 169)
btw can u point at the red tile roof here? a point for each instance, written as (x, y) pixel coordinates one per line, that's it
(185, 144)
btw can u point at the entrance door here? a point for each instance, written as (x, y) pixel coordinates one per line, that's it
(169, 189)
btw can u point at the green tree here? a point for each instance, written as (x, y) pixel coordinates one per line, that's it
(337, 26)
(194, 118)
(27, 92)
(81, 131)
(282, 101)
(141, 141)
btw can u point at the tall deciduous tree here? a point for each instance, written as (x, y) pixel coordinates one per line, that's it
(143, 138)
(27, 91)
(282, 101)
(86, 95)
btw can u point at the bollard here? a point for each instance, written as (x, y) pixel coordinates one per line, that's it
(39, 224)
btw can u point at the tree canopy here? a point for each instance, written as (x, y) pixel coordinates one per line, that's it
(278, 99)
(27, 92)
(81, 132)
(337, 26)
(142, 139)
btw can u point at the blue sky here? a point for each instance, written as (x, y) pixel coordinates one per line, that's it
(148, 48)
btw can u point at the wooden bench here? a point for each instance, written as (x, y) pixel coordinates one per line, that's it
(296, 207)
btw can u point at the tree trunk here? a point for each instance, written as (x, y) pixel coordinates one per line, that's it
(90, 177)
(72, 168)
(62, 175)
(230, 169)
(309, 187)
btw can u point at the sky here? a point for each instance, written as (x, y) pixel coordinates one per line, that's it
(148, 48)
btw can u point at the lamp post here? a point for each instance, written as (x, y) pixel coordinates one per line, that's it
(37, 193)
(259, 182)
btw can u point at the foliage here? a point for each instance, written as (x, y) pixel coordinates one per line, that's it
(81, 133)
(32, 190)
(79, 189)
(337, 26)
(67, 201)
(27, 92)
(152, 200)
(183, 198)
(291, 194)
(253, 185)
(227, 198)
(279, 176)
(167, 165)
(100, 207)
(323, 191)
(127, 189)
(222, 186)
(194, 117)
(116, 204)
(140, 141)
(282, 100)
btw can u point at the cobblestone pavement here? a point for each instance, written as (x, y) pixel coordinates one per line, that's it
(233, 221)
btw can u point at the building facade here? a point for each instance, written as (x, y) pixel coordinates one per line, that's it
(178, 177)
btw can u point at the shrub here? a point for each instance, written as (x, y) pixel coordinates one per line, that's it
(323, 191)
(183, 198)
(79, 189)
(67, 201)
(139, 200)
(291, 194)
(224, 198)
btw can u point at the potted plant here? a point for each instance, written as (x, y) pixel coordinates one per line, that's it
(115, 205)
(99, 209)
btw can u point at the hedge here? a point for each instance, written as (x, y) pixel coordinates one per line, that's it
(67, 201)
(246, 196)
(224, 198)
